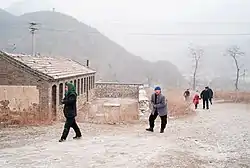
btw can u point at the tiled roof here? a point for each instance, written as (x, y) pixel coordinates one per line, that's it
(55, 68)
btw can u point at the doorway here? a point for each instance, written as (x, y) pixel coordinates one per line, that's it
(54, 102)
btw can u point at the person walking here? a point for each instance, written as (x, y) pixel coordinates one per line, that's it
(211, 95)
(196, 99)
(70, 112)
(205, 97)
(186, 95)
(159, 107)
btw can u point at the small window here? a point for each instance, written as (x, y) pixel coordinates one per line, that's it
(78, 86)
(75, 83)
(82, 86)
(85, 85)
(93, 81)
(89, 82)
(60, 92)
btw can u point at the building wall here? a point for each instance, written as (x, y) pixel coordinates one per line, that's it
(117, 90)
(18, 102)
(18, 77)
(13, 76)
(83, 87)
(20, 97)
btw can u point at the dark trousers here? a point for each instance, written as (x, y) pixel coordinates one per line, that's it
(205, 103)
(210, 100)
(152, 121)
(195, 105)
(70, 122)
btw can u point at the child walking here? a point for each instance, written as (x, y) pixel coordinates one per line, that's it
(196, 99)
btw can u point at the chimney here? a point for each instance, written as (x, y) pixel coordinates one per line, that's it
(87, 63)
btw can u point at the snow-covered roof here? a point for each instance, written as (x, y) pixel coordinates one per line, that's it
(55, 68)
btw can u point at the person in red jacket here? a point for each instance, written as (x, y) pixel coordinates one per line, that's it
(196, 99)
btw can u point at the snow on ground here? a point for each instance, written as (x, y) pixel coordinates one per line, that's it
(219, 138)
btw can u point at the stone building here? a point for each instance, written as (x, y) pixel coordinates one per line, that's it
(48, 75)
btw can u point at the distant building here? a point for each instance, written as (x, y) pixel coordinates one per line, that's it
(48, 75)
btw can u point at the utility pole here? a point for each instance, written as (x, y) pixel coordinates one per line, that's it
(33, 29)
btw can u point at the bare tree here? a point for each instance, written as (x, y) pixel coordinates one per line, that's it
(235, 53)
(196, 56)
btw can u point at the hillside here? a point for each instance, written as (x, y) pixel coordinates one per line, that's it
(63, 35)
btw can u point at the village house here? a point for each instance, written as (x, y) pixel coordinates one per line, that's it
(42, 81)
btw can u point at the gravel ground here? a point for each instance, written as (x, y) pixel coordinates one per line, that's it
(215, 138)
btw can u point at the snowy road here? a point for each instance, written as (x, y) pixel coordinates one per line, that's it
(216, 138)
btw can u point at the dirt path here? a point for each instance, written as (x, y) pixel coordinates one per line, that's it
(216, 138)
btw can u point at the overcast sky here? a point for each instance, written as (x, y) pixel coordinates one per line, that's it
(124, 20)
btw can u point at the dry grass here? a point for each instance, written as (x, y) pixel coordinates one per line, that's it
(11, 118)
(177, 106)
(233, 96)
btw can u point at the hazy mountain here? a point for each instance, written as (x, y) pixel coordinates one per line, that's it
(192, 17)
(63, 35)
(26, 6)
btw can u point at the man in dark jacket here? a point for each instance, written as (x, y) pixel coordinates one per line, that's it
(70, 112)
(211, 95)
(159, 107)
(205, 97)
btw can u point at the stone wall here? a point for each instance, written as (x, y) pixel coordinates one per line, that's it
(117, 90)
(112, 103)
(110, 111)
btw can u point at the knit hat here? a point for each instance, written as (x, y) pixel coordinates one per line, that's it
(157, 88)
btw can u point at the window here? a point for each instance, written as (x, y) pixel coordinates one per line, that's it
(60, 92)
(85, 85)
(93, 81)
(78, 86)
(82, 86)
(89, 82)
(75, 83)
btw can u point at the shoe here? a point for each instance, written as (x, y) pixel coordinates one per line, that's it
(162, 131)
(62, 140)
(150, 129)
(77, 137)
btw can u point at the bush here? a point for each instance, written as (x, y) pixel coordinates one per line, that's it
(177, 106)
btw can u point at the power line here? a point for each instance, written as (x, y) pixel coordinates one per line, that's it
(189, 34)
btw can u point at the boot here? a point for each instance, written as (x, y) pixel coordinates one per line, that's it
(62, 140)
(150, 129)
(77, 137)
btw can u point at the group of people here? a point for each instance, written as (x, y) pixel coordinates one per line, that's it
(158, 103)
(206, 95)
